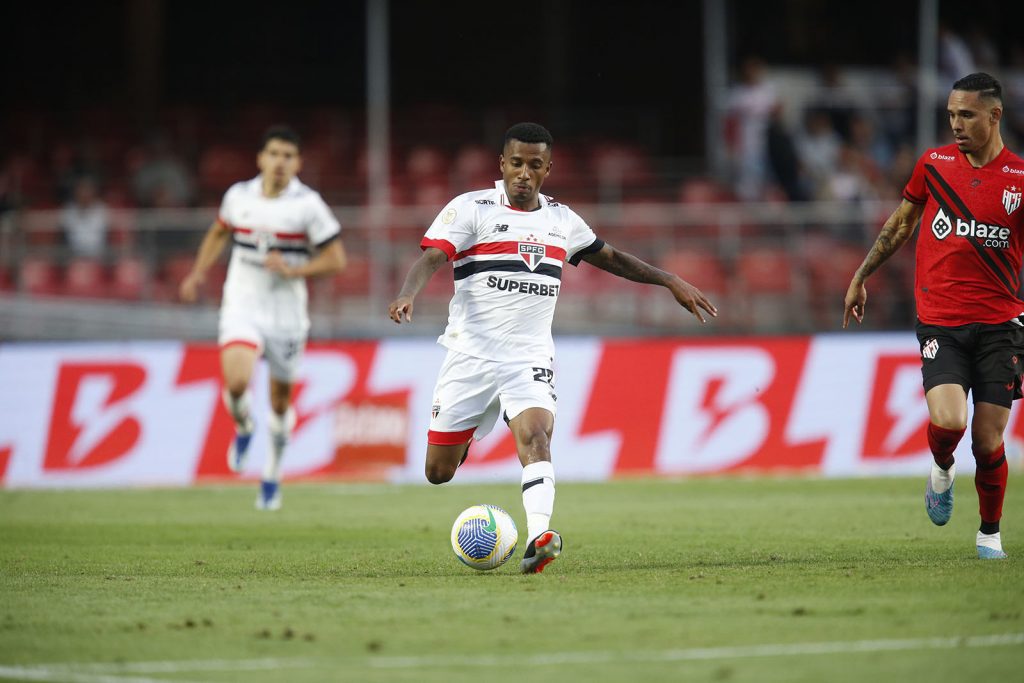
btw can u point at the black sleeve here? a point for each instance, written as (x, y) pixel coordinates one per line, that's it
(591, 248)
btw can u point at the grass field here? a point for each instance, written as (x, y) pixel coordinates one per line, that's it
(697, 580)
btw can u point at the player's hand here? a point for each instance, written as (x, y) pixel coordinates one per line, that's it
(189, 289)
(856, 298)
(692, 299)
(275, 263)
(401, 305)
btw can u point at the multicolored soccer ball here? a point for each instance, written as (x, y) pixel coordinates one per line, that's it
(484, 537)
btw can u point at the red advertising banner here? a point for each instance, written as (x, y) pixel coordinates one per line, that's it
(142, 413)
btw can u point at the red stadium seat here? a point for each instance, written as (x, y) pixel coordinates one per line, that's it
(39, 276)
(767, 294)
(130, 279)
(85, 278)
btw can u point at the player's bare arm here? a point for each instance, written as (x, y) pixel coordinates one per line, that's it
(631, 268)
(420, 273)
(895, 233)
(331, 258)
(213, 244)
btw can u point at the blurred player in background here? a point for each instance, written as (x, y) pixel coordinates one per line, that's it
(970, 322)
(283, 232)
(509, 244)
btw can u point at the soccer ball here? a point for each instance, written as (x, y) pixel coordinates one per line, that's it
(484, 537)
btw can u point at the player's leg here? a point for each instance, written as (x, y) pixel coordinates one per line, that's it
(284, 356)
(529, 401)
(238, 359)
(465, 407)
(999, 370)
(990, 474)
(946, 371)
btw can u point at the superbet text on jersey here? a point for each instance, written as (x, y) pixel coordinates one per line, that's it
(508, 271)
(970, 243)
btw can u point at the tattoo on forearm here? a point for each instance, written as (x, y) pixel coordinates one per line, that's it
(893, 236)
(632, 268)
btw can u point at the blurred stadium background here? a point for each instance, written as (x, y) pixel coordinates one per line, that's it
(753, 148)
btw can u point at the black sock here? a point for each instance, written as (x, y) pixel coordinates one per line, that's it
(989, 528)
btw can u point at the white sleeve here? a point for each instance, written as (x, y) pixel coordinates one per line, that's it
(322, 224)
(582, 240)
(225, 214)
(454, 229)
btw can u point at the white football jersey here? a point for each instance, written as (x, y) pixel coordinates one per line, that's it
(296, 222)
(508, 271)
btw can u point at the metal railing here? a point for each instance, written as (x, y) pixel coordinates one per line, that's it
(771, 268)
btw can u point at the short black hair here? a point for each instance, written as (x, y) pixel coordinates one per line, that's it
(281, 132)
(530, 133)
(982, 83)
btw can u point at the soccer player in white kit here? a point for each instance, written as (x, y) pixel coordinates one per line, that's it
(283, 232)
(508, 245)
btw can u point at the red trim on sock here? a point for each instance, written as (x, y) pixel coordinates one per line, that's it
(449, 438)
(990, 482)
(943, 442)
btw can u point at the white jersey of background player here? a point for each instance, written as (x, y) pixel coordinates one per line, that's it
(283, 232)
(509, 245)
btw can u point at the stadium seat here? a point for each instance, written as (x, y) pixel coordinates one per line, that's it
(39, 276)
(85, 278)
(221, 166)
(768, 295)
(129, 279)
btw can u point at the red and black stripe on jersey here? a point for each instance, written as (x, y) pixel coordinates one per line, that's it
(954, 207)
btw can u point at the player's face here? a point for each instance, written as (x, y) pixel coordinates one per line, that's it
(972, 119)
(524, 166)
(279, 161)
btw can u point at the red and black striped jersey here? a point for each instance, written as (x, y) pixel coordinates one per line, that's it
(970, 242)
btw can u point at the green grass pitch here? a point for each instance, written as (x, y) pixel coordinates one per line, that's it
(706, 579)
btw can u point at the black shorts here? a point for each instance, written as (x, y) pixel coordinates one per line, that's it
(984, 359)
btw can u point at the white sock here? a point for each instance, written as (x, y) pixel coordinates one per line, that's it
(942, 479)
(538, 497)
(990, 541)
(281, 427)
(238, 408)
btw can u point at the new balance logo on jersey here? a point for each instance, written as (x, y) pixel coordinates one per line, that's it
(1011, 199)
(532, 253)
(500, 227)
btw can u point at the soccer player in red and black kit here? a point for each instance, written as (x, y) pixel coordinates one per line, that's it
(969, 319)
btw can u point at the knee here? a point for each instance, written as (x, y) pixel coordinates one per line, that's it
(952, 420)
(235, 386)
(439, 473)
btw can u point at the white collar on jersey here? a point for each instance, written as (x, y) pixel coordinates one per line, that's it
(499, 185)
(293, 186)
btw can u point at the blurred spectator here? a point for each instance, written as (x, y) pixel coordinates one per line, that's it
(850, 182)
(85, 220)
(750, 106)
(160, 174)
(818, 147)
(834, 98)
(783, 158)
(864, 137)
(955, 60)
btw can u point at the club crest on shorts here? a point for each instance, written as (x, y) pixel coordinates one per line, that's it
(1011, 199)
(930, 348)
(435, 409)
(532, 253)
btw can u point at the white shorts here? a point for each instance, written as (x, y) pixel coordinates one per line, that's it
(471, 393)
(282, 350)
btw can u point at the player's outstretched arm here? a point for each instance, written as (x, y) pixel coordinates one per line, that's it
(420, 273)
(209, 251)
(630, 267)
(895, 233)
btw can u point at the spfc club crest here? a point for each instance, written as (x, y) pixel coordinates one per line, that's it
(532, 253)
(1011, 199)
